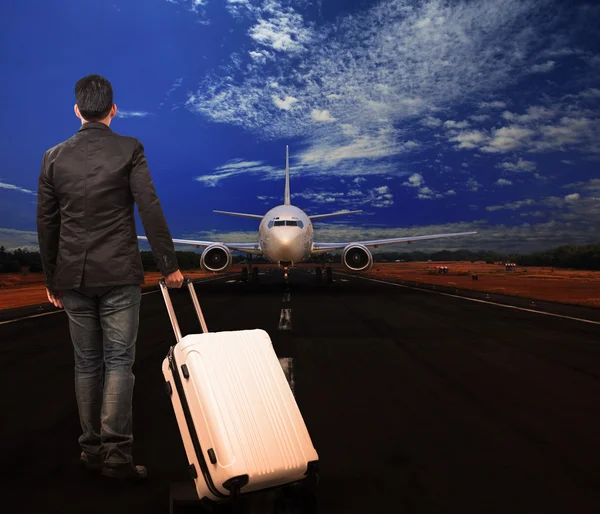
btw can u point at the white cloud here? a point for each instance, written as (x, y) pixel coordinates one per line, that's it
(424, 192)
(572, 197)
(470, 139)
(480, 117)
(388, 65)
(520, 165)
(318, 197)
(177, 84)
(503, 182)
(132, 114)
(431, 122)
(513, 206)
(451, 124)
(492, 105)
(260, 56)
(508, 139)
(473, 185)
(535, 113)
(544, 67)
(238, 167)
(285, 31)
(570, 163)
(321, 116)
(286, 103)
(12, 239)
(590, 93)
(379, 145)
(592, 185)
(570, 132)
(415, 180)
(561, 127)
(379, 197)
(239, 164)
(4, 185)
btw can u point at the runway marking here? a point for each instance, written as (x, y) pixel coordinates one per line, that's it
(484, 301)
(286, 297)
(285, 320)
(62, 311)
(231, 281)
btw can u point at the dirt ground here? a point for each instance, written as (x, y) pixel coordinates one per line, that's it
(540, 283)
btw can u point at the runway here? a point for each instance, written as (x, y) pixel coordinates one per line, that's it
(416, 402)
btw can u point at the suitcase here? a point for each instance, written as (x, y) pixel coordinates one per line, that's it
(238, 418)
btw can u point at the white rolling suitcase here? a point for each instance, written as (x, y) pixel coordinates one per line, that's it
(239, 421)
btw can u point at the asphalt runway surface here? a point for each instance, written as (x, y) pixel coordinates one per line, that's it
(416, 402)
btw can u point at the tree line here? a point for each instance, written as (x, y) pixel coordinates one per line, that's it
(570, 256)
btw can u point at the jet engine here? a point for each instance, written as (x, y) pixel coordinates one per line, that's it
(357, 258)
(216, 258)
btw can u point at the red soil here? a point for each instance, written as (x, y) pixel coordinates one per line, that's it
(540, 283)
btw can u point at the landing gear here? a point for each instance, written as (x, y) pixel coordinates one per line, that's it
(244, 274)
(254, 274)
(329, 275)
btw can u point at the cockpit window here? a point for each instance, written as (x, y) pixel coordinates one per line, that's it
(281, 223)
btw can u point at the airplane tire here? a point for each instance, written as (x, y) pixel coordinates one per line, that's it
(319, 272)
(244, 274)
(255, 274)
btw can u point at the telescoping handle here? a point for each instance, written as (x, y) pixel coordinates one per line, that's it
(171, 311)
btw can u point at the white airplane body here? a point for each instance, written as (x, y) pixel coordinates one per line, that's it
(286, 237)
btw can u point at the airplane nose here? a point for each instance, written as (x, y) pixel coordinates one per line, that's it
(287, 244)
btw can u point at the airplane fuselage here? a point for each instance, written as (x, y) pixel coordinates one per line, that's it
(286, 235)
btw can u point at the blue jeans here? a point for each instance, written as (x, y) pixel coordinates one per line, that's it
(104, 323)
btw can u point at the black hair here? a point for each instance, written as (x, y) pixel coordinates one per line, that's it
(94, 97)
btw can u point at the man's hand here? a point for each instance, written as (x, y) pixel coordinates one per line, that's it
(175, 279)
(54, 298)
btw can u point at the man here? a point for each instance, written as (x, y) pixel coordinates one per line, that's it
(92, 265)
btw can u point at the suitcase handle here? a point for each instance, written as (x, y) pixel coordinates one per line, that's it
(171, 311)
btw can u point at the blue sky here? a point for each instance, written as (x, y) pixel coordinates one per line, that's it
(431, 116)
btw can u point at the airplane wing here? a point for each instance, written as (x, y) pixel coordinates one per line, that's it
(340, 213)
(242, 214)
(330, 247)
(252, 248)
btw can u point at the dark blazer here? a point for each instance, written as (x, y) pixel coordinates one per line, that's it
(85, 219)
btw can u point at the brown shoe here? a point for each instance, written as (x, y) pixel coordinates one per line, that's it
(124, 471)
(93, 462)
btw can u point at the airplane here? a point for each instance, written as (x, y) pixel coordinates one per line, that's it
(286, 237)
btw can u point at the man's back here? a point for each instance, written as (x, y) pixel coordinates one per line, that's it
(86, 230)
(87, 190)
